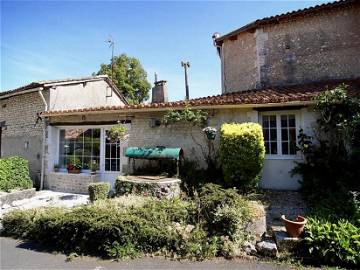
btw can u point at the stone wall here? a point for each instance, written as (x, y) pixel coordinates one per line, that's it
(66, 182)
(23, 136)
(305, 49)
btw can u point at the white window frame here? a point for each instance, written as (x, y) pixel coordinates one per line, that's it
(102, 128)
(278, 132)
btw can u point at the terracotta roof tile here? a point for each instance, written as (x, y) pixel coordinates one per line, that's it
(272, 95)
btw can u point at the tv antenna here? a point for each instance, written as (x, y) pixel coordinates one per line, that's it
(111, 43)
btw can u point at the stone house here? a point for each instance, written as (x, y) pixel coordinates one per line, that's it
(22, 129)
(271, 71)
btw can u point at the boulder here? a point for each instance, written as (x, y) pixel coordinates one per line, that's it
(267, 248)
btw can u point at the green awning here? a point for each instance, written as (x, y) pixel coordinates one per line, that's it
(154, 153)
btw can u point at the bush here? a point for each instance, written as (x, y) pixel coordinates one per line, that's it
(225, 211)
(98, 191)
(333, 243)
(14, 174)
(242, 154)
(130, 226)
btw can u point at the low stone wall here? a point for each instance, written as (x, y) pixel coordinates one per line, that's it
(8, 198)
(72, 183)
(163, 188)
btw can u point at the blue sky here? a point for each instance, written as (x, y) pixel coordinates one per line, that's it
(54, 40)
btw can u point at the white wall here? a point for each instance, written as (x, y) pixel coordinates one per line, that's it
(83, 95)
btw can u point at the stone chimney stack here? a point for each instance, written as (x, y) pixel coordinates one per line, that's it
(159, 92)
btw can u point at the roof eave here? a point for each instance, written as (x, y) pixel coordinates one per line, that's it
(27, 91)
(204, 107)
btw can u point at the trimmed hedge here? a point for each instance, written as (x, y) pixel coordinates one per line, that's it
(98, 191)
(14, 174)
(242, 154)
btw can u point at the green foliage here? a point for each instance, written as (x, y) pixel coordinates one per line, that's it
(98, 191)
(225, 211)
(129, 76)
(333, 243)
(124, 227)
(242, 154)
(187, 115)
(193, 177)
(117, 132)
(14, 174)
(331, 164)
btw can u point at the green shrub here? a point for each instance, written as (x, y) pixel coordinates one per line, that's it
(14, 174)
(98, 191)
(333, 243)
(115, 228)
(242, 154)
(225, 211)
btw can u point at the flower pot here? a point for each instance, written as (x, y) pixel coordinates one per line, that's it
(56, 169)
(74, 171)
(93, 172)
(294, 228)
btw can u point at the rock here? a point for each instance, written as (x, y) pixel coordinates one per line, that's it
(249, 248)
(267, 248)
(283, 241)
(189, 228)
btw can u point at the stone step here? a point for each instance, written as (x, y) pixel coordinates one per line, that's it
(283, 241)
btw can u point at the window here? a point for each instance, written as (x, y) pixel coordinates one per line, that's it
(112, 155)
(79, 146)
(279, 133)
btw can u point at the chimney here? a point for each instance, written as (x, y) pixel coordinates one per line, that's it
(159, 92)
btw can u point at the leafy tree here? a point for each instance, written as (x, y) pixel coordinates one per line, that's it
(129, 76)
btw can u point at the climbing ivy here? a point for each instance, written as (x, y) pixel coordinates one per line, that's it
(187, 115)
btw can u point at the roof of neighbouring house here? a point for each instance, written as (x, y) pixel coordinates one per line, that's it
(49, 83)
(288, 15)
(271, 96)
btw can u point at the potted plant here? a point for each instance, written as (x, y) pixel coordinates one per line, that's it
(116, 133)
(74, 167)
(56, 168)
(210, 133)
(94, 167)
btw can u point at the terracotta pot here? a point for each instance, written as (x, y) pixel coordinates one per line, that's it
(296, 227)
(74, 171)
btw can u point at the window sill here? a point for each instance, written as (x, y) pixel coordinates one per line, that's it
(282, 157)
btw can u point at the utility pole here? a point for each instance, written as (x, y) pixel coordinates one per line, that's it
(186, 65)
(112, 45)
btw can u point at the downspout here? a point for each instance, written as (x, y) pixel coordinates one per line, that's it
(43, 143)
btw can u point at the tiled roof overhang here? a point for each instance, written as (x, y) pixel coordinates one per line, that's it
(274, 96)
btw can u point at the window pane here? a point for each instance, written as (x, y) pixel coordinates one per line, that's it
(291, 120)
(86, 163)
(292, 134)
(265, 121)
(284, 121)
(273, 148)
(107, 164)
(266, 134)
(285, 148)
(273, 134)
(272, 121)
(96, 149)
(292, 148)
(113, 164)
(284, 134)
(87, 149)
(113, 150)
